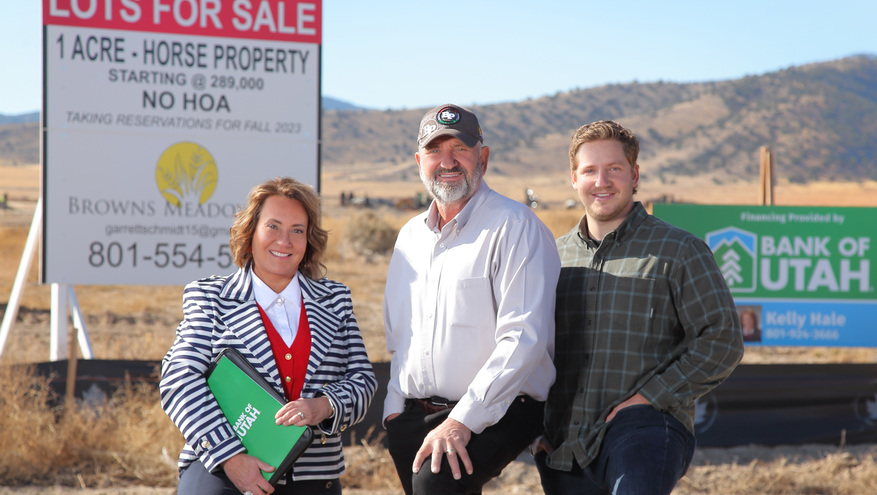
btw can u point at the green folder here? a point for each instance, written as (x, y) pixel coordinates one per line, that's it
(249, 403)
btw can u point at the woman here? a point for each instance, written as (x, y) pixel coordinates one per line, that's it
(294, 326)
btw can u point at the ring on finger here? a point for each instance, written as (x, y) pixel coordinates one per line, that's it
(301, 415)
(452, 451)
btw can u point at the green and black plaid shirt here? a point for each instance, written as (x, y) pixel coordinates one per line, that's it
(646, 310)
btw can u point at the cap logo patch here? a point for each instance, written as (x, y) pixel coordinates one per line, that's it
(448, 116)
(427, 129)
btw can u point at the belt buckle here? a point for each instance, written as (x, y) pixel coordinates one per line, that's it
(435, 400)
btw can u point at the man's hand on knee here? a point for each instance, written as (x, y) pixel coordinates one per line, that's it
(449, 438)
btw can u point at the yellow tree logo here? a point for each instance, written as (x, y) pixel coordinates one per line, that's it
(186, 171)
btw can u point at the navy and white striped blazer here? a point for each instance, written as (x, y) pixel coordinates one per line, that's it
(220, 312)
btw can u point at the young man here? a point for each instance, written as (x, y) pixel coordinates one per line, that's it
(469, 317)
(645, 326)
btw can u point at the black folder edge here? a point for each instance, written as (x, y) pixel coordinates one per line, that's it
(306, 438)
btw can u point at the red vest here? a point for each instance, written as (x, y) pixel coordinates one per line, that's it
(292, 361)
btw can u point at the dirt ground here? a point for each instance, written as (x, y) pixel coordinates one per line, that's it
(744, 462)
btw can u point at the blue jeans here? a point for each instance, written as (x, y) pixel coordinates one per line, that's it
(644, 452)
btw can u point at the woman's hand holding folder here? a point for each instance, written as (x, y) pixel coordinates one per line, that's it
(245, 471)
(301, 412)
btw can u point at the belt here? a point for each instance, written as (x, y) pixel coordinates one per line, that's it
(433, 404)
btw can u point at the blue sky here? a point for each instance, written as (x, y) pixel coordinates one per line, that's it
(409, 54)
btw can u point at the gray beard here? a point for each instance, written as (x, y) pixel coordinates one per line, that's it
(448, 193)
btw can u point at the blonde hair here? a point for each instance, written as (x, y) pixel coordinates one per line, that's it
(241, 233)
(605, 130)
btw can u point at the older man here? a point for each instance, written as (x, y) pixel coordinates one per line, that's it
(469, 316)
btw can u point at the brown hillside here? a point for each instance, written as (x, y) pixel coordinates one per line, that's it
(818, 119)
(19, 144)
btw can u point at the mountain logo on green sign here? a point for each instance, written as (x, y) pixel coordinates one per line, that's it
(736, 256)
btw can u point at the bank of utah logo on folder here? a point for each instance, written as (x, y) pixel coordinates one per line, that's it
(250, 403)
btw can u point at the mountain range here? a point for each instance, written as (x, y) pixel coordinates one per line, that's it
(819, 121)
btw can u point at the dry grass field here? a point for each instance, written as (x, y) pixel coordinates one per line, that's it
(128, 445)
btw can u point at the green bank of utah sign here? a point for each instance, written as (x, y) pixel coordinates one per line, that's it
(799, 275)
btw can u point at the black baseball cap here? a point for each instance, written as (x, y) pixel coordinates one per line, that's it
(449, 120)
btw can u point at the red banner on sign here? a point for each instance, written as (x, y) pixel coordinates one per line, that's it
(286, 20)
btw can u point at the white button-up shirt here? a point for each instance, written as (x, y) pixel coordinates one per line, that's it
(283, 309)
(469, 309)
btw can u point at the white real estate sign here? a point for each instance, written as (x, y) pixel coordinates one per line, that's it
(159, 116)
